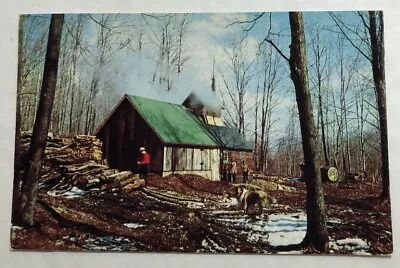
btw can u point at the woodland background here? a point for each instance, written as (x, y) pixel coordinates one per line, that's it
(9, 67)
(104, 56)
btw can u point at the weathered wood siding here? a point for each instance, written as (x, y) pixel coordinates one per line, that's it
(123, 134)
(204, 162)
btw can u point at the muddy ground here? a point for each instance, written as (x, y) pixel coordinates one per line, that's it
(192, 214)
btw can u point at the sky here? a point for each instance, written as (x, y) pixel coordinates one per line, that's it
(208, 39)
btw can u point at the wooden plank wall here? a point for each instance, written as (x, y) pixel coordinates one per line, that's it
(122, 136)
(181, 159)
(204, 162)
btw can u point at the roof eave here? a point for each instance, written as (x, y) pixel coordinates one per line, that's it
(193, 145)
(109, 115)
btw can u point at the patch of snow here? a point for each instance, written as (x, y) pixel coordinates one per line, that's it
(276, 229)
(285, 229)
(357, 246)
(362, 253)
(228, 202)
(295, 180)
(110, 243)
(286, 188)
(99, 248)
(334, 221)
(293, 252)
(133, 225)
(72, 193)
(388, 232)
(42, 185)
(197, 205)
(211, 246)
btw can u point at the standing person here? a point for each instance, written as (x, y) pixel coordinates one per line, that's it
(233, 170)
(224, 172)
(245, 171)
(228, 170)
(144, 164)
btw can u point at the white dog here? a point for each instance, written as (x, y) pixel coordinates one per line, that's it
(248, 198)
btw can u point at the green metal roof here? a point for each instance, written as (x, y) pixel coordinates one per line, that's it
(172, 122)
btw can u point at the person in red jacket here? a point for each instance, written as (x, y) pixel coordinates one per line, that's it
(144, 163)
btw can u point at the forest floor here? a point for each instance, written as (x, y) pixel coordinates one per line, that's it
(191, 214)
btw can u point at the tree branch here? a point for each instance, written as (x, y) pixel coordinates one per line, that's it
(277, 49)
(253, 22)
(338, 24)
(102, 25)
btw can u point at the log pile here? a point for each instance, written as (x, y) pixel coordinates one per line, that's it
(77, 162)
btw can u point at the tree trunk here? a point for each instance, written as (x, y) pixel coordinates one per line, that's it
(378, 70)
(17, 156)
(256, 152)
(42, 121)
(326, 157)
(317, 234)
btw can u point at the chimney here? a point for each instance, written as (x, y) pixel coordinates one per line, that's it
(213, 76)
(202, 104)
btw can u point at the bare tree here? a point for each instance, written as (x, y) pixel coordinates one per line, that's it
(270, 78)
(109, 41)
(17, 156)
(317, 234)
(237, 79)
(371, 45)
(31, 66)
(168, 34)
(376, 31)
(32, 173)
(319, 69)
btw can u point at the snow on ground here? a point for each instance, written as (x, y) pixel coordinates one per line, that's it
(133, 225)
(280, 229)
(16, 227)
(211, 246)
(286, 229)
(229, 202)
(357, 246)
(111, 243)
(275, 229)
(194, 205)
(71, 193)
(293, 252)
(295, 180)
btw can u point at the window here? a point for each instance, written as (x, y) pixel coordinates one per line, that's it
(225, 157)
(242, 156)
(213, 120)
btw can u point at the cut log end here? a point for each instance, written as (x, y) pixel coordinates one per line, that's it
(329, 174)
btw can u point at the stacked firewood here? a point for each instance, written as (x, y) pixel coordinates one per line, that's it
(77, 162)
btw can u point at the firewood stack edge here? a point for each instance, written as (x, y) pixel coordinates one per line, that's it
(78, 162)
